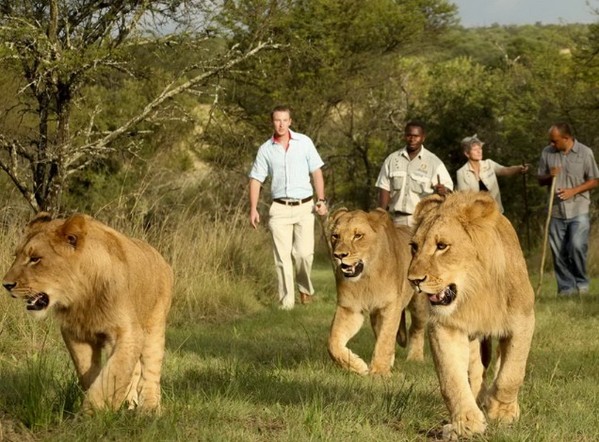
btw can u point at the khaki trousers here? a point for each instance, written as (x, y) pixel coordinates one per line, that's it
(292, 229)
(403, 220)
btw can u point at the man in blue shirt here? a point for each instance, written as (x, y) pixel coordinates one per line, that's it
(573, 165)
(289, 158)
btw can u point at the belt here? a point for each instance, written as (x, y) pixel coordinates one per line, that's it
(287, 202)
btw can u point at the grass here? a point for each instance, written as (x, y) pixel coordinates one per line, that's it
(262, 374)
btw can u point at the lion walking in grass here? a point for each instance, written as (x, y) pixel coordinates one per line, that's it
(110, 293)
(467, 262)
(371, 258)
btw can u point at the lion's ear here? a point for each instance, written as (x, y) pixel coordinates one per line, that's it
(378, 216)
(336, 214)
(74, 229)
(481, 206)
(39, 218)
(426, 205)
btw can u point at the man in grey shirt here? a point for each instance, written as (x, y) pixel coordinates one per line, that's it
(573, 165)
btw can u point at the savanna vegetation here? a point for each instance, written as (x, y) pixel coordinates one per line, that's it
(147, 115)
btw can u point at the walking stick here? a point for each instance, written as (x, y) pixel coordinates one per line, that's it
(447, 189)
(551, 196)
(526, 220)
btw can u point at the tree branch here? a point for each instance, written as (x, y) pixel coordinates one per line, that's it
(167, 93)
(14, 149)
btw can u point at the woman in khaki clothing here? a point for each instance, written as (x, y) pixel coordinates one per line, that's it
(481, 175)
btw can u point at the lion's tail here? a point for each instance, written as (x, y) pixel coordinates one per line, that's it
(402, 332)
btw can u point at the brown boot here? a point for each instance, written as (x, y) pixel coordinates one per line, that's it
(305, 298)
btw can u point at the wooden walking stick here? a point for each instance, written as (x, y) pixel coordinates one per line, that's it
(526, 220)
(547, 222)
(447, 189)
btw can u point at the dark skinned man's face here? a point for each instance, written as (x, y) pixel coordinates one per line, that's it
(414, 138)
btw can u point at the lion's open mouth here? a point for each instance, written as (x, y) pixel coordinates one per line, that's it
(39, 301)
(352, 270)
(445, 296)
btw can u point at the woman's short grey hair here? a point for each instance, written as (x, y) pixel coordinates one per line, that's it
(468, 142)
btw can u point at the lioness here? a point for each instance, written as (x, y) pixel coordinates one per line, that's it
(371, 259)
(109, 292)
(466, 259)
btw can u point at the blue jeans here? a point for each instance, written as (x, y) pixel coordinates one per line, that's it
(569, 240)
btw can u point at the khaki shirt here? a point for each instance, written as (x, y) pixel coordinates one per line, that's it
(408, 181)
(466, 179)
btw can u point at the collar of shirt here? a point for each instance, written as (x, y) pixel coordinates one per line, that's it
(404, 153)
(575, 148)
(292, 136)
(482, 166)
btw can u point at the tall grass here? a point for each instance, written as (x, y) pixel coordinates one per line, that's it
(222, 270)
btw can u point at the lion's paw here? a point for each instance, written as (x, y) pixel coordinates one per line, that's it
(349, 360)
(465, 425)
(359, 367)
(380, 371)
(415, 355)
(503, 412)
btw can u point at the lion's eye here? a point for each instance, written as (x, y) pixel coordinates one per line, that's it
(441, 246)
(335, 236)
(358, 236)
(413, 248)
(34, 259)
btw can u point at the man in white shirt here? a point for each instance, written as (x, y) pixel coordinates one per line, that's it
(289, 158)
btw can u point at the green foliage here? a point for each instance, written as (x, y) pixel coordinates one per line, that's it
(87, 81)
(327, 44)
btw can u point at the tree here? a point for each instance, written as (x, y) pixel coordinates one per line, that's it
(57, 49)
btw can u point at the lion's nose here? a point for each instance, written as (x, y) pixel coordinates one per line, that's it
(340, 255)
(9, 285)
(416, 281)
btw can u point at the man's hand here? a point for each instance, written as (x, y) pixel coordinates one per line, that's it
(565, 194)
(321, 208)
(440, 189)
(254, 218)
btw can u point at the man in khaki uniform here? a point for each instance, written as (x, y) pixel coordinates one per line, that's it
(410, 174)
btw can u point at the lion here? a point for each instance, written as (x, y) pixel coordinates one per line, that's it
(108, 292)
(467, 261)
(371, 258)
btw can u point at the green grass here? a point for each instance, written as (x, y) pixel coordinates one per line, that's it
(266, 376)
